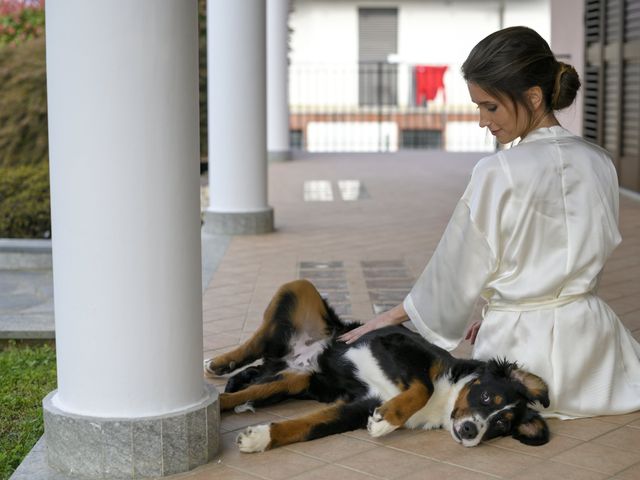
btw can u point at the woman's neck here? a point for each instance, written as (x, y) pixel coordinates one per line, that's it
(548, 120)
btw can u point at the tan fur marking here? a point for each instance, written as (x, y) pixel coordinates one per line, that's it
(310, 309)
(461, 407)
(498, 400)
(297, 430)
(290, 383)
(536, 386)
(436, 370)
(532, 428)
(308, 316)
(401, 407)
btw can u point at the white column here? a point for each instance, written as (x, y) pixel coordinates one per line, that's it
(123, 122)
(277, 80)
(236, 60)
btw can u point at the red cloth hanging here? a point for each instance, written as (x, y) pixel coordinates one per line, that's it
(429, 80)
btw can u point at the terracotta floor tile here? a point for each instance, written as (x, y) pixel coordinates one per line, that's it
(621, 419)
(557, 444)
(224, 326)
(218, 472)
(386, 463)
(332, 448)
(332, 471)
(558, 471)
(599, 458)
(494, 461)
(351, 232)
(389, 439)
(435, 444)
(274, 464)
(582, 429)
(444, 471)
(625, 438)
(235, 421)
(631, 473)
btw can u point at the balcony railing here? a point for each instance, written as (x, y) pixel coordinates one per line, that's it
(382, 107)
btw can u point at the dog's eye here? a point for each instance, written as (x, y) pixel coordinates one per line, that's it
(485, 398)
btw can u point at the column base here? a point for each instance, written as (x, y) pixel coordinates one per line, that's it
(101, 448)
(280, 156)
(240, 223)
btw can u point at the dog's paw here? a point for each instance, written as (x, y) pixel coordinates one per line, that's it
(214, 369)
(378, 426)
(245, 407)
(254, 439)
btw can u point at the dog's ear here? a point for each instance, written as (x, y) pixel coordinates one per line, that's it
(532, 430)
(534, 388)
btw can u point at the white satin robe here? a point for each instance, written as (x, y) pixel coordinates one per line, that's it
(531, 234)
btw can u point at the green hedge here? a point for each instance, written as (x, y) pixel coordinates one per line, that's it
(23, 104)
(24, 201)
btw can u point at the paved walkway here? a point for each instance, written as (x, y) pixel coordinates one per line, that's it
(365, 254)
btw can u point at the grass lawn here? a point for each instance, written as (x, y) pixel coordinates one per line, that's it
(27, 375)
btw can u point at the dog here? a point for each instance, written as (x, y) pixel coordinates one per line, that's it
(388, 378)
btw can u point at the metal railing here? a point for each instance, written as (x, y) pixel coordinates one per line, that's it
(381, 107)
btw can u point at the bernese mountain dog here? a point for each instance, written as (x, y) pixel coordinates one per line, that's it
(387, 379)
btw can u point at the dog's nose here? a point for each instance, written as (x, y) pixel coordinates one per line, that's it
(468, 430)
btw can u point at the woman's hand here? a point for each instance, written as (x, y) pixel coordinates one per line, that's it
(395, 316)
(472, 332)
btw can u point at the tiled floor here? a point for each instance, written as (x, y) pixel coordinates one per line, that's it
(379, 244)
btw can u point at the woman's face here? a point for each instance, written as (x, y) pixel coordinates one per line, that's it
(498, 116)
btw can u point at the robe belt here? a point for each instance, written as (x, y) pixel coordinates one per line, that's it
(525, 306)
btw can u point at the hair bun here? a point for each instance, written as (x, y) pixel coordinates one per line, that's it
(566, 86)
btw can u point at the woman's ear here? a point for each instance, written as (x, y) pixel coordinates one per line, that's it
(535, 97)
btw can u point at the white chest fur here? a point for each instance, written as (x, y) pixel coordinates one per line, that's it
(304, 352)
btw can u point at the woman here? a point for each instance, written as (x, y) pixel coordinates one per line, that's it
(530, 235)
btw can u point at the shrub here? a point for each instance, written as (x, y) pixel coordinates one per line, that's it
(24, 201)
(20, 21)
(202, 56)
(23, 104)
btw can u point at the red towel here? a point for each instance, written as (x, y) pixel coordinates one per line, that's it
(428, 81)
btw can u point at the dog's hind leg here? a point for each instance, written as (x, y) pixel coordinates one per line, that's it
(337, 418)
(285, 384)
(296, 307)
(395, 412)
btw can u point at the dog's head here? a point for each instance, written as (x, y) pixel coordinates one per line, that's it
(496, 403)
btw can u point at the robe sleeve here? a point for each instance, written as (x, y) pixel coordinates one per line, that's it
(442, 300)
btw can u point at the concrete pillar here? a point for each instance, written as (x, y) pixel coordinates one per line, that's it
(277, 80)
(124, 161)
(236, 36)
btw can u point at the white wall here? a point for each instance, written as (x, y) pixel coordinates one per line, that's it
(432, 33)
(324, 47)
(567, 37)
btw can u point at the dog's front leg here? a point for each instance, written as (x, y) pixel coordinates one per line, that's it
(288, 383)
(337, 418)
(393, 413)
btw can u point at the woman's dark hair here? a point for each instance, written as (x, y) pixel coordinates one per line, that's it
(510, 61)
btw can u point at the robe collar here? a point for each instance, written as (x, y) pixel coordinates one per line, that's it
(555, 131)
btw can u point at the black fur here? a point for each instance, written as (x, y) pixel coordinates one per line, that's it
(491, 395)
